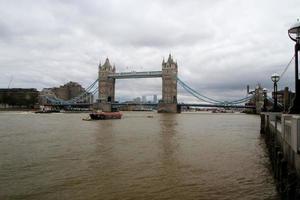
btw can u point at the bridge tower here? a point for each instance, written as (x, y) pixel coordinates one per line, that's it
(259, 98)
(106, 86)
(169, 86)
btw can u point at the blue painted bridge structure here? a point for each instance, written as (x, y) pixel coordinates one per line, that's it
(185, 105)
(206, 101)
(134, 74)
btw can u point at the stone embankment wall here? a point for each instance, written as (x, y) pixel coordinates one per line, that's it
(282, 136)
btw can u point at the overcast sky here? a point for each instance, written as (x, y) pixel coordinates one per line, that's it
(220, 45)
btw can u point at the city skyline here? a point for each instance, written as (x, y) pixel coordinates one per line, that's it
(220, 46)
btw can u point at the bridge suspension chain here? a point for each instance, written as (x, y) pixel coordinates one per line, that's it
(195, 95)
(211, 100)
(91, 90)
(192, 91)
(286, 68)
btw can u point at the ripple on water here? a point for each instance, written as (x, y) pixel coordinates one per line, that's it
(186, 156)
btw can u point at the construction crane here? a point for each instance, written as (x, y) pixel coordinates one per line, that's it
(10, 81)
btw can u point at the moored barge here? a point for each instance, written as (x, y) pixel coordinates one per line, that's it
(105, 115)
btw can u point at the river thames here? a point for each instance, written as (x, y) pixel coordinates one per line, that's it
(145, 155)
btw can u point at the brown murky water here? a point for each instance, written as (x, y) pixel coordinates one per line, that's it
(169, 156)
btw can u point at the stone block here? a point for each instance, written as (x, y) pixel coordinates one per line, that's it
(167, 108)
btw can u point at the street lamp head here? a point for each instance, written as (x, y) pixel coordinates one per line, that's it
(265, 90)
(275, 77)
(294, 31)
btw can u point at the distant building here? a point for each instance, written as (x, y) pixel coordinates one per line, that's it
(137, 100)
(155, 98)
(46, 92)
(66, 92)
(18, 98)
(144, 99)
(284, 97)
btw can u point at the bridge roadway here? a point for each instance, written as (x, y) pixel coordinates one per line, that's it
(69, 104)
(155, 104)
(185, 104)
(134, 74)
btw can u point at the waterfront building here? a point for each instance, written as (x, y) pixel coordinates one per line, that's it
(18, 98)
(68, 90)
(65, 92)
(284, 97)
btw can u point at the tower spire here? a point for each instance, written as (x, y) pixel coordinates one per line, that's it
(99, 64)
(170, 59)
(107, 65)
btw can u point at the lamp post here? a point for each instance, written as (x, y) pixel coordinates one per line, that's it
(275, 78)
(265, 100)
(294, 34)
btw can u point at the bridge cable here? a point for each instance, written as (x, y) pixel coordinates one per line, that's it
(195, 95)
(286, 68)
(194, 91)
(210, 100)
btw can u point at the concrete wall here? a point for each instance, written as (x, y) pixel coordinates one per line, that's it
(290, 137)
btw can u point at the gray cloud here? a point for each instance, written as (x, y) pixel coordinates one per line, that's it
(220, 46)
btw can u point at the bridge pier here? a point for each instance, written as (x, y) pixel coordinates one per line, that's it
(168, 108)
(259, 99)
(105, 107)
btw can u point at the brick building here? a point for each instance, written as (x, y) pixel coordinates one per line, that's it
(66, 92)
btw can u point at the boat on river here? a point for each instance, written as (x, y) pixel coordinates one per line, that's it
(47, 111)
(105, 115)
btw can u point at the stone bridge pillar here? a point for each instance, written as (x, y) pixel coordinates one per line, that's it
(106, 86)
(169, 87)
(259, 98)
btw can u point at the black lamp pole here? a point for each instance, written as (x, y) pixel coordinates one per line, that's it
(275, 97)
(295, 106)
(275, 78)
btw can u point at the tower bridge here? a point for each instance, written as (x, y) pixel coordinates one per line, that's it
(105, 87)
(108, 76)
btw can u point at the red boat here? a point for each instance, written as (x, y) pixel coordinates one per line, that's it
(105, 115)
